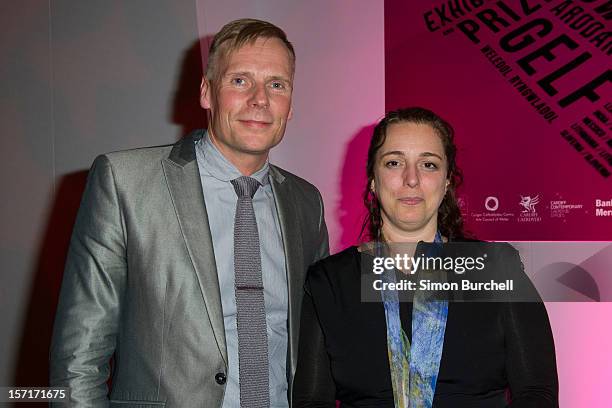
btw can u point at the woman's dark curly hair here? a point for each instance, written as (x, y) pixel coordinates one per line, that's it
(450, 222)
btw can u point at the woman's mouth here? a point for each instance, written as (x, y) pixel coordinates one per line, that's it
(411, 200)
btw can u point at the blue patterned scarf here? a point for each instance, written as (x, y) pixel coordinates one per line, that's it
(414, 368)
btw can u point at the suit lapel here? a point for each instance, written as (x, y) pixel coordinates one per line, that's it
(183, 178)
(294, 257)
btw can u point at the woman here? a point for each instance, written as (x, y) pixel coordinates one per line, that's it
(390, 353)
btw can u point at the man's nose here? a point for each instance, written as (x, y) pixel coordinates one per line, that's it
(259, 96)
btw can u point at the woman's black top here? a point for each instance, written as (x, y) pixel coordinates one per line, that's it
(493, 352)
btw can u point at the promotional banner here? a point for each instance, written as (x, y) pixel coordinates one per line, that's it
(526, 85)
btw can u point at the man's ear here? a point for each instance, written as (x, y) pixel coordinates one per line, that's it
(290, 115)
(205, 93)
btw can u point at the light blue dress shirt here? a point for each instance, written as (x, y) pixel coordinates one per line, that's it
(220, 198)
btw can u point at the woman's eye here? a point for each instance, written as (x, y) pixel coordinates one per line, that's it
(430, 165)
(392, 163)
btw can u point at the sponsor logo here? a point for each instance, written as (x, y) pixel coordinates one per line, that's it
(529, 203)
(603, 208)
(463, 206)
(529, 213)
(491, 203)
(560, 208)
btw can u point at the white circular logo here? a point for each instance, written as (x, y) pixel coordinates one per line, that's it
(492, 203)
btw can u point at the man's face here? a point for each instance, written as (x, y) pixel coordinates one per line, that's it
(249, 99)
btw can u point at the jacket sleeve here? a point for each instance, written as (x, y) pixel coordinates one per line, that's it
(530, 351)
(313, 385)
(87, 318)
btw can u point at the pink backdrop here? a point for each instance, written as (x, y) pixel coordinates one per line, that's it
(508, 149)
(522, 141)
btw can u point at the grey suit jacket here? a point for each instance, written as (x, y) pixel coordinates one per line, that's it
(141, 285)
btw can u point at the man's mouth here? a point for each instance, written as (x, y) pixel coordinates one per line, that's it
(257, 124)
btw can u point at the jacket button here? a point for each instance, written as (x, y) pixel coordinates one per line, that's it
(220, 378)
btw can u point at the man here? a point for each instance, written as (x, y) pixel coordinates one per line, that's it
(184, 270)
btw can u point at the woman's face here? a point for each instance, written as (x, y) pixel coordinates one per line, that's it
(410, 178)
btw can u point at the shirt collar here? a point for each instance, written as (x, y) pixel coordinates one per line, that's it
(213, 163)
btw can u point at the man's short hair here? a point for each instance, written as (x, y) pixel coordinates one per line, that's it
(235, 34)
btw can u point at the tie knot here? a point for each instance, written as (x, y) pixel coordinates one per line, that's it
(245, 186)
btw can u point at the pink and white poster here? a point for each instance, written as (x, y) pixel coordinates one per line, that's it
(526, 85)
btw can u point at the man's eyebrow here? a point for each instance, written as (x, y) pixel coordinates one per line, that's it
(234, 73)
(279, 78)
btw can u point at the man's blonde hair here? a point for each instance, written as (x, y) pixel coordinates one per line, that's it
(235, 34)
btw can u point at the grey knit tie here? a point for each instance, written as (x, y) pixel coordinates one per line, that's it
(251, 314)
